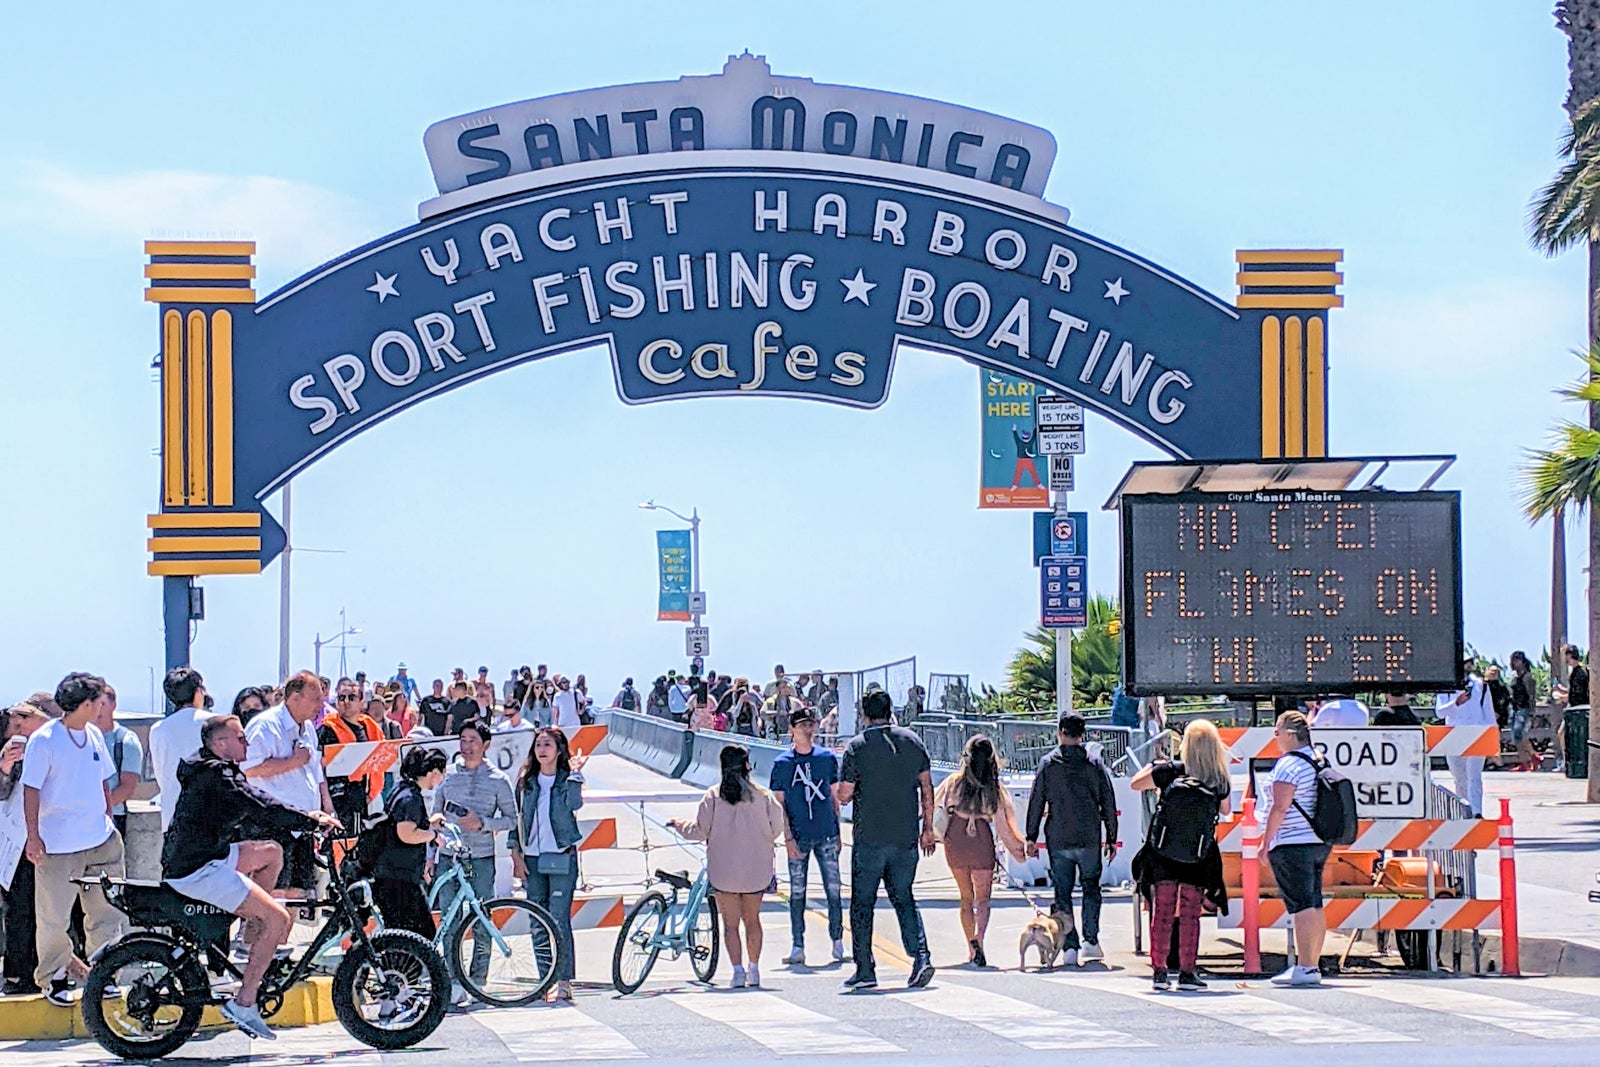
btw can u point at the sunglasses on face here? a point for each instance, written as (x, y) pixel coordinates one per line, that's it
(349, 696)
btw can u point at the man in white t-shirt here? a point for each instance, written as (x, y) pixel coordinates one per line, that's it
(67, 809)
(1341, 713)
(177, 737)
(1295, 851)
(285, 762)
(564, 708)
(1473, 706)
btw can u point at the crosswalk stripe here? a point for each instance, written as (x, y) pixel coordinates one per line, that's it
(785, 1028)
(303, 1044)
(1015, 1020)
(558, 1032)
(1271, 1018)
(1444, 996)
(1583, 987)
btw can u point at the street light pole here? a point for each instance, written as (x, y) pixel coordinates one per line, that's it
(319, 643)
(693, 519)
(283, 592)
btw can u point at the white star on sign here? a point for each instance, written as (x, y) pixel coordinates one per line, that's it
(1115, 292)
(384, 287)
(857, 288)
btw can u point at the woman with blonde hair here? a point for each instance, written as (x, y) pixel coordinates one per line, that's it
(1179, 867)
(970, 809)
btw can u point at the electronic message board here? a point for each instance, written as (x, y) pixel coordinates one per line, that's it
(1291, 591)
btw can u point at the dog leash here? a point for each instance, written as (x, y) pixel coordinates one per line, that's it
(1012, 883)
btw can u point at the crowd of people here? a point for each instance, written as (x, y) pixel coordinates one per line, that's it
(240, 790)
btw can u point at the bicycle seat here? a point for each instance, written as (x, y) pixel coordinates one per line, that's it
(676, 879)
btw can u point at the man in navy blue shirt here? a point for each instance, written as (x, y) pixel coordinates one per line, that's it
(803, 780)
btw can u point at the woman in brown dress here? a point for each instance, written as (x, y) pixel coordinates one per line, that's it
(976, 806)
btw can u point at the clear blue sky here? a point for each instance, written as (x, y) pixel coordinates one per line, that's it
(497, 524)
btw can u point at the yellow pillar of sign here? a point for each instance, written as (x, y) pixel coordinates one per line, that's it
(1303, 285)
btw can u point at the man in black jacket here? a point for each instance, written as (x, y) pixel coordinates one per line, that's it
(214, 852)
(1073, 798)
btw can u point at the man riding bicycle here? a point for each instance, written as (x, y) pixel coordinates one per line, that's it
(217, 850)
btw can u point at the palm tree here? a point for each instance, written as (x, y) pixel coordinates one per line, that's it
(1031, 674)
(1567, 213)
(1566, 477)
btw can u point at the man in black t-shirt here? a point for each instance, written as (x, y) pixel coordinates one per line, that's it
(1577, 680)
(435, 709)
(463, 709)
(887, 775)
(1397, 712)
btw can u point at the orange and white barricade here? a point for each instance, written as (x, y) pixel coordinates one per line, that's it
(1353, 899)
(1257, 742)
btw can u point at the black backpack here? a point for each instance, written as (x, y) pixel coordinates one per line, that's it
(377, 836)
(1334, 818)
(1184, 829)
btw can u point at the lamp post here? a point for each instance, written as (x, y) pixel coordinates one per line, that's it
(344, 632)
(693, 519)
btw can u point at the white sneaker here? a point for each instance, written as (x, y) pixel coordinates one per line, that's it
(838, 952)
(797, 955)
(459, 997)
(737, 981)
(1090, 952)
(1285, 978)
(1306, 976)
(752, 977)
(248, 1019)
(1069, 958)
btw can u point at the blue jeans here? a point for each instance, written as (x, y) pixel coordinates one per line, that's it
(480, 872)
(1081, 865)
(553, 893)
(827, 853)
(894, 867)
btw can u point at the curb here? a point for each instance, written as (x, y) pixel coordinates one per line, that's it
(36, 1019)
(1548, 956)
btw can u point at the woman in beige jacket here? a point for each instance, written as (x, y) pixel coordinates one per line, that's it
(740, 824)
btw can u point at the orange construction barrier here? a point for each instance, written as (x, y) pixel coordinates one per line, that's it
(1250, 872)
(1510, 951)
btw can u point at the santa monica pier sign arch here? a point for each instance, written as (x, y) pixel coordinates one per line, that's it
(739, 234)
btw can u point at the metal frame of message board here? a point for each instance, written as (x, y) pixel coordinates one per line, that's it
(1130, 622)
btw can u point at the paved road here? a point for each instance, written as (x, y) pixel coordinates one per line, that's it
(971, 1017)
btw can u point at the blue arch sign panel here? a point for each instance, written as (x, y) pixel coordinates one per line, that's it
(752, 248)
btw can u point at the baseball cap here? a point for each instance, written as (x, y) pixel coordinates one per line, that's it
(803, 715)
(46, 702)
(483, 670)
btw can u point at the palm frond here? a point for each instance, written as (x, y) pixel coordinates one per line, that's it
(1564, 477)
(1566, 212)
(1586, 389)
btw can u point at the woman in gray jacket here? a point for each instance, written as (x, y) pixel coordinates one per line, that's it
(549, 791)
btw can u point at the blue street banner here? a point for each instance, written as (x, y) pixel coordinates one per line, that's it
(1011, 476)
(1063, 592)
(672, 548)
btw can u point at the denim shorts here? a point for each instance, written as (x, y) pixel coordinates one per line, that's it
(1519, 724)
(1298, 872)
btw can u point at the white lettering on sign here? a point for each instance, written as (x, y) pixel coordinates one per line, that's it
(1388, 767)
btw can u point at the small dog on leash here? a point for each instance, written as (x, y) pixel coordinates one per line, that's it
(1048, 934)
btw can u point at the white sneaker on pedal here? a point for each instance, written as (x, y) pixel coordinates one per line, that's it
(248, 1019)
(1090, 952)
(796, 956)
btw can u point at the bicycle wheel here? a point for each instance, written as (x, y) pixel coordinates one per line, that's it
(162, 997)
(705, 941)
(394, 995)
(637, 948)
(512, 963)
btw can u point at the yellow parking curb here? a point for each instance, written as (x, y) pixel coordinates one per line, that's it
(36, 1019)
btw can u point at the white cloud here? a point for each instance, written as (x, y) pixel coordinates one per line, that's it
(295, 225)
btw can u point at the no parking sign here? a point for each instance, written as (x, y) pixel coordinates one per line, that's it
(1069, 534)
